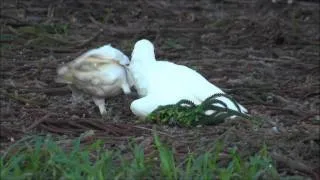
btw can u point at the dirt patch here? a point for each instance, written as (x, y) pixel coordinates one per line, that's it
(265, 55)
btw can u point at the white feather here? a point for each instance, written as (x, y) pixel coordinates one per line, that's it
(163, 82)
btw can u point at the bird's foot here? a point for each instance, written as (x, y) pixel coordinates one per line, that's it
(100, 102)
(77, 95)
(106, 114)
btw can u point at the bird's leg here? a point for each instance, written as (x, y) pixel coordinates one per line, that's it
(126, 88)
(100, 102)
(77, 95)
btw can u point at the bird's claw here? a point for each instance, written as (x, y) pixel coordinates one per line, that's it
(105, 115)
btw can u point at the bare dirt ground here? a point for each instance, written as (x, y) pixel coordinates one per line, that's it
(265, 55)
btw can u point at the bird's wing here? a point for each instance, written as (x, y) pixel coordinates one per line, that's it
(201, 88)
(91, 62)
(178, 81)
(105, 81)
(100, 74)
(111, 52)
(89, 66)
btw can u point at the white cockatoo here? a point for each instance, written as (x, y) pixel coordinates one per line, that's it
(163, 82)
(99, 72)
(288, 1)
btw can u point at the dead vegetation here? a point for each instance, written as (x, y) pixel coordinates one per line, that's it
(265, 55)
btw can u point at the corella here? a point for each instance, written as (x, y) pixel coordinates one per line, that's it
(162, 82)
(99, 72)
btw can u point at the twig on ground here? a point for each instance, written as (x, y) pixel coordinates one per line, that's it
(281, 60)
(68, 49)
(22, 99)
(127, 30)
(152, 130)
(77, 125)
(308, 116)
(82, 125)
(287, 110)
(293, 164)
(36, 123)
(58, 130)
(8, 132)
(50, 91)
(87, 41)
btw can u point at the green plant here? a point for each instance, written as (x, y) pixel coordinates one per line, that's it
(167, 162)
(41, 29)
(43, 158)
(186, 113)
(173, 44)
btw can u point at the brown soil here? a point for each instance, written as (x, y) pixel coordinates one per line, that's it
(265, 55)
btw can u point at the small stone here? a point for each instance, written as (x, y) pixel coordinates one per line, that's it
(74, 117)
(275, 129)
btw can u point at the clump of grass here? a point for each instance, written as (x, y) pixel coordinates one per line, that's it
(167, 165)
(172, 44)
(6, 40)
(44, 34)
(43, 158)
(220, 23)
(40, 29)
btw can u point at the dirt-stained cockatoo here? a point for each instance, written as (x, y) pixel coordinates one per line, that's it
(163, 82)
(99, 72)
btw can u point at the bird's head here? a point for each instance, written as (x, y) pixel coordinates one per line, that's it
(143, 51)
(120, 56)
(124, 60)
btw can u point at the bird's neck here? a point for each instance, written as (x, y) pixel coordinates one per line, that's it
(143, 61)
(143, 56)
